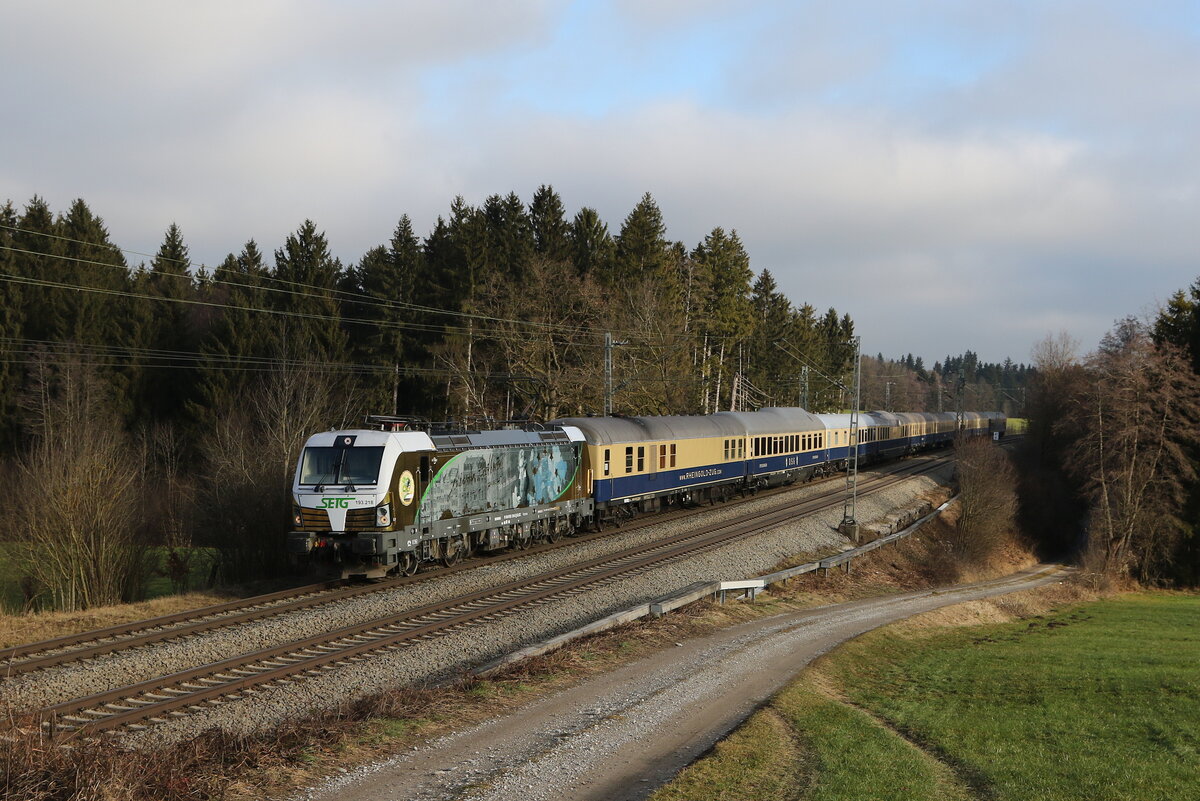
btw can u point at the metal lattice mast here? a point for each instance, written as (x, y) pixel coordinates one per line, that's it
(960, 400)
(849, 524)
(608, 387)
(804, 387)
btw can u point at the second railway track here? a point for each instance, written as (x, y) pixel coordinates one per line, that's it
(161, 699)
(26, 658)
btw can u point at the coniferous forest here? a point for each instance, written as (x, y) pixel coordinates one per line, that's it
(173, 397)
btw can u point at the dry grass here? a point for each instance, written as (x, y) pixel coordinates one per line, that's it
(37, 626)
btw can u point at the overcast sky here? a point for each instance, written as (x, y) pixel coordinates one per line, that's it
(955, 175)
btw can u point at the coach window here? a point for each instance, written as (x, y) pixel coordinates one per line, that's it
(641, 458)
(629, 460)
(672, 454)
(727, 450)
(607, 457)
(662, 456)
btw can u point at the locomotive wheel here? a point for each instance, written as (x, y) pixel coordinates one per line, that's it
(522, 538)
(454, 552)
(409, 564)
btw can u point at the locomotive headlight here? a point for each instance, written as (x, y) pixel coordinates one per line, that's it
(383, 515)
(297, 516)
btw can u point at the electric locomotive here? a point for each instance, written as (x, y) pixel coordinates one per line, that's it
(383, 500)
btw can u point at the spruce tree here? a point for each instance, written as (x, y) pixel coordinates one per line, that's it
(512, 237)
(35, 246)
(386, 274)
(307, 275)
(547, 219)
(772, 368)
(592, 248)
(12, 346)
(166, 383)
(642, 246)
(728, 320)
(241, 337)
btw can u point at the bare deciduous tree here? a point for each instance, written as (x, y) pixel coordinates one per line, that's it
(987, 499)
(1131, 421)
(77, 528)
(245, 501)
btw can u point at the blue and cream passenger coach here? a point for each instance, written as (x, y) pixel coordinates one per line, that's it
(650, 461)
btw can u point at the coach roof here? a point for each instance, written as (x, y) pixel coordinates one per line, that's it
(611, 430)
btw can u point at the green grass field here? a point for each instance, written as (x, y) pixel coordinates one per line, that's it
(1098, 702)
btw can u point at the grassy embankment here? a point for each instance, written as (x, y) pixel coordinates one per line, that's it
(17, 625)
(1094, 701)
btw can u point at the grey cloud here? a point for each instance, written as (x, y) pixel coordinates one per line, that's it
(979, 216)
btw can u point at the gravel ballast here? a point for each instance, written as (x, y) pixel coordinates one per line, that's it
(432, 659)
(449, 655)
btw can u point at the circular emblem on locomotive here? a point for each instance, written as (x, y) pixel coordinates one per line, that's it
(408, 487)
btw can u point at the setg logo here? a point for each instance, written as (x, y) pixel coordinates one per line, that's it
(335, 503)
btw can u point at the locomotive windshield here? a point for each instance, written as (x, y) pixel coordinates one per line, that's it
(341, 465)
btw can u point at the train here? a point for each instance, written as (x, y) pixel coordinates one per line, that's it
(400, 492)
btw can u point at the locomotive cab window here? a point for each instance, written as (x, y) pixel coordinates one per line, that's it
(341, 465)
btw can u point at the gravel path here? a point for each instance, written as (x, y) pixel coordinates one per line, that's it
(445, 655)
(619, 736)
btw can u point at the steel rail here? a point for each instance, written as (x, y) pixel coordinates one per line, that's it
(209, 618)
(169, 695)
(21, 659)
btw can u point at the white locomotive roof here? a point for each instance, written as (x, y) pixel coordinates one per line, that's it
(500, 438)
(363, 437)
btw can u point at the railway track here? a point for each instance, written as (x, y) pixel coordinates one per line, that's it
(30, 657)
(162, 699)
